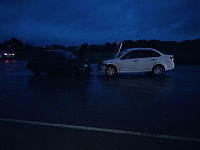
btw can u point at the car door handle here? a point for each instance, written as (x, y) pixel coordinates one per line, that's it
(153, 59)
(135, 60)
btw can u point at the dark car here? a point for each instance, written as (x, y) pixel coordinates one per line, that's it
(6, 55)
(57, 61)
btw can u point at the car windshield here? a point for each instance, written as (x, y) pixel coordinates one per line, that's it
(122, 53)
(69, 55)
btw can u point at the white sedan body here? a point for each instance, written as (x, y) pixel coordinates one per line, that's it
(128, 61)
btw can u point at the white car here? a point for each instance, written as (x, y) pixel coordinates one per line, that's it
(137, 60)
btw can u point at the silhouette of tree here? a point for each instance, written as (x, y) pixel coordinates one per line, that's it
(82, 50)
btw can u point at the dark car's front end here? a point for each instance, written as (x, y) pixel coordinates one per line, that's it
(82, 66)
(86, 68)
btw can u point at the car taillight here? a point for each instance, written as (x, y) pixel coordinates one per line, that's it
(172, 58)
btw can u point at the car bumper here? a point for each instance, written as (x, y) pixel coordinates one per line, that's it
(7, 56)
(101, 68)
(169, 66)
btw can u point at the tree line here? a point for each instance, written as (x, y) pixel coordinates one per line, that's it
(185, 52)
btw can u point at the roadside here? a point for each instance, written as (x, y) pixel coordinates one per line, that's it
(24, 136)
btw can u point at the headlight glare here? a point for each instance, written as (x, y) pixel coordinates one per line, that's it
(85, 65)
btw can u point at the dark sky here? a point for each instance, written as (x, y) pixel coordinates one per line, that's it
(74, 22)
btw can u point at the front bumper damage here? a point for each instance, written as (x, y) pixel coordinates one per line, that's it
(101, 66)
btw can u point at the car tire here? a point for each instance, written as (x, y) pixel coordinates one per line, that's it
(158, 70)
(36, 71)
(110, 71)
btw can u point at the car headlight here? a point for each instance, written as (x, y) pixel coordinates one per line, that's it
(85, 65)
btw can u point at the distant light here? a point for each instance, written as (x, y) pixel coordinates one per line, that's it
(85, 65)
(5, 54)
(13, 54)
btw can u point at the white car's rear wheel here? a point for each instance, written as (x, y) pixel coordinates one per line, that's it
(158, 70)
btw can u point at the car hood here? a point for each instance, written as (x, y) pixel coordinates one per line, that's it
(109, 61)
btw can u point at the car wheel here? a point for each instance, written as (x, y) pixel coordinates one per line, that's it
(36, 71)
(158, 70)
(110, 70)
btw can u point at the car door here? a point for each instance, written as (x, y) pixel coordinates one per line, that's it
(129, 62)
(50, 61)
(57, 61)
(47, 61)
(147, 60)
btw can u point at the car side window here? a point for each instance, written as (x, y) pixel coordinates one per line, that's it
(42, 54)
(149, 53)
(47, 55)
(137, 54)
(132, 54)
(156, 54)
(58, 57)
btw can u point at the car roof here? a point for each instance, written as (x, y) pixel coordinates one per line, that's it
(131, 49)
(144, 48)
(55, 51)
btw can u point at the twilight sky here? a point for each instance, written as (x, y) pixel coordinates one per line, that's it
(74, 22)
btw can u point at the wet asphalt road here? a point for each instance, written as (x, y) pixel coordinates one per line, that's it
(167, 105)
